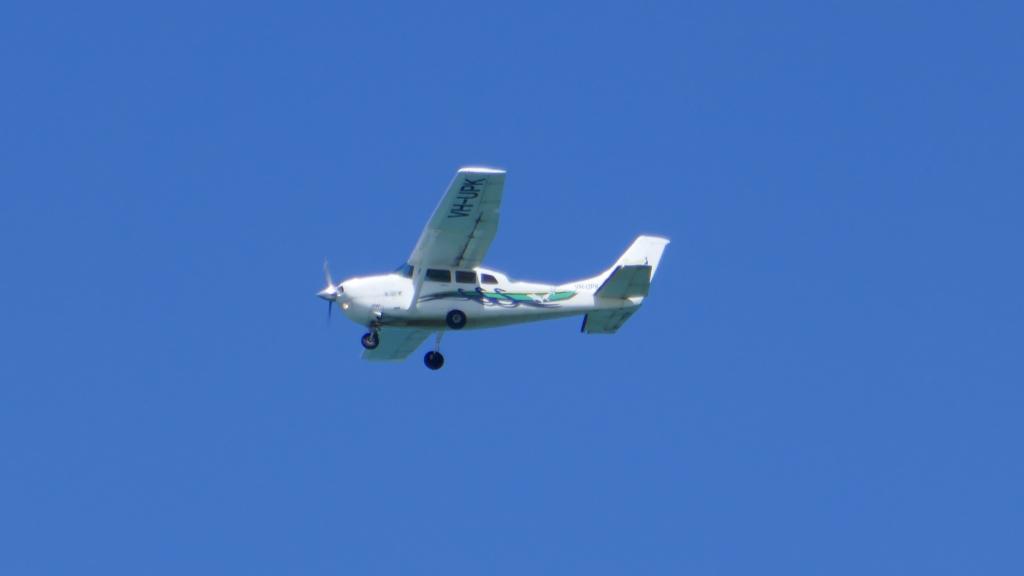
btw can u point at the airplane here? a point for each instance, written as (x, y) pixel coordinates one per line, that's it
(442, 286)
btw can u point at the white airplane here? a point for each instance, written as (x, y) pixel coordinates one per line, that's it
(442, 286)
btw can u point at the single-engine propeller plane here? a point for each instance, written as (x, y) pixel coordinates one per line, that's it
(442, 286)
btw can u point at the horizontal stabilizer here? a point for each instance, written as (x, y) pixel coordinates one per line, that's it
(626, 282)
(606, 321)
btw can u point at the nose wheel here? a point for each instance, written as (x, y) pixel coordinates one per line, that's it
(370, 340)
(434, 359)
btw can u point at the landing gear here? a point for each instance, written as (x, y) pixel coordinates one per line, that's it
(433, 360)
(370, 340)
(455, 319)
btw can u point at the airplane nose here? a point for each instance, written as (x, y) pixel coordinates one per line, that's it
(331, 292)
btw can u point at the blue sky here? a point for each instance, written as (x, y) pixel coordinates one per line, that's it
(826, 378)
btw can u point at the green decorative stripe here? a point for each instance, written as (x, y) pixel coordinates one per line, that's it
(556, 296)
(499, 297)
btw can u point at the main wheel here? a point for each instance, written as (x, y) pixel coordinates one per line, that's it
(433, 360)
(370, 340)
(455, 319)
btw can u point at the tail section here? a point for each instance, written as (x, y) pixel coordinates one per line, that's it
(628, 279)
(644, 252)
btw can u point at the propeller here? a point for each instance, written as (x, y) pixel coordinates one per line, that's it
(330, 292)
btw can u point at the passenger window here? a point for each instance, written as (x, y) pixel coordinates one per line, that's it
(488, 279)
(439, 275)
(464, 277)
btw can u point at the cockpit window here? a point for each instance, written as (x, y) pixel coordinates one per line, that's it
(465, 277)
(488, 279)
(439, 275)
(405, 271)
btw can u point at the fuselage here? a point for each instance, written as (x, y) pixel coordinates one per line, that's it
(487, 297)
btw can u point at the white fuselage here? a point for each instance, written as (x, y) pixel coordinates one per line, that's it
(488, 298)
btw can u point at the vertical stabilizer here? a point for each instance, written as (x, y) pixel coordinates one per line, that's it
(644, 251)
(632, 273)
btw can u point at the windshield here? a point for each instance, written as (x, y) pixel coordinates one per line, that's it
(405, 270)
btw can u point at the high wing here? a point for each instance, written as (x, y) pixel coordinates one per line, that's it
(464, 223)
(396, 343)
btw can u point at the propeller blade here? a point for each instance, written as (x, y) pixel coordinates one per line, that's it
(329, 306)
(327, 274)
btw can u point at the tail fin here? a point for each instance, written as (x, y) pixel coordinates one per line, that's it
(644, 251)
(632, 273)
(637, 265)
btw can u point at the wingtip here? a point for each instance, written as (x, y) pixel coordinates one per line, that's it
(482, 170)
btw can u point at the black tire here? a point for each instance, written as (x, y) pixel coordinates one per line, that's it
(433, 360)
(370, 340)
(455, 319)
